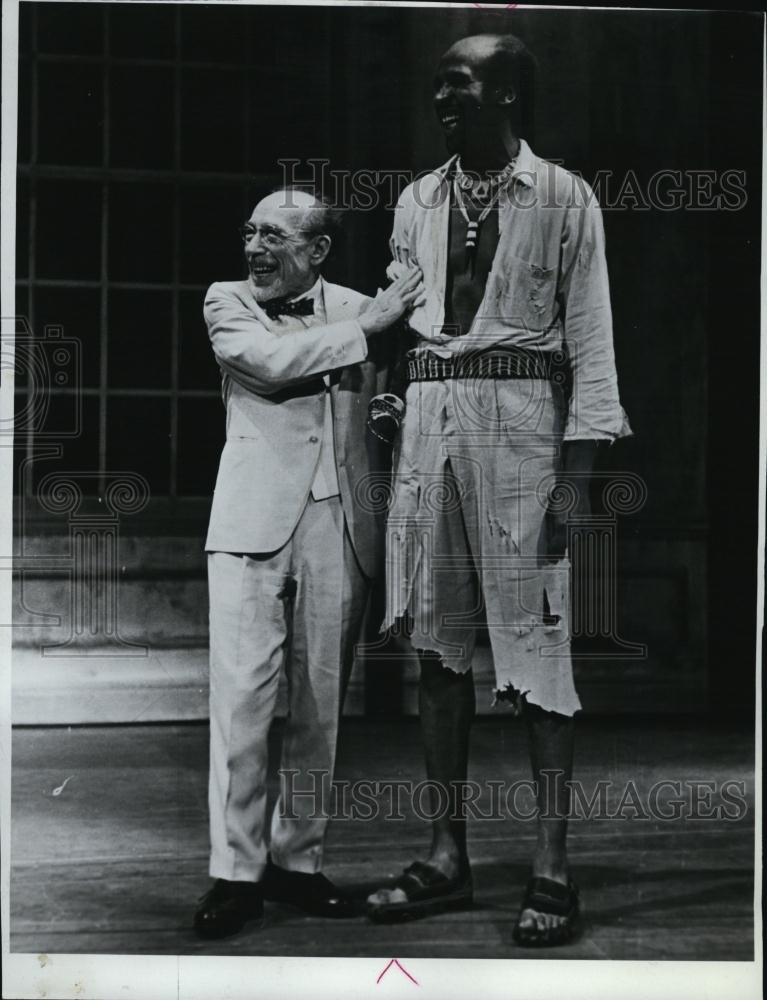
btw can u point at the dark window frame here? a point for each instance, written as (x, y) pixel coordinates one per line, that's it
(167, 506)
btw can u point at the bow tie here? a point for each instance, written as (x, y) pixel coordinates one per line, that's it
(274, 308)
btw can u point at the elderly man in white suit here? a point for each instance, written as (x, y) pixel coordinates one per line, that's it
(292, 547)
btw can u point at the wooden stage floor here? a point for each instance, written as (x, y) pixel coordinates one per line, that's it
(116, 861)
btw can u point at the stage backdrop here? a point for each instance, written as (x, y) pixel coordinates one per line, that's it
(146, 133)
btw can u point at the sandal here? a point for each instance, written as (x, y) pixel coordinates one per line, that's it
(546, 896)
(428, 891)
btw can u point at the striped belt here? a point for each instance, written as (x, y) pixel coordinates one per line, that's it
(509, 363)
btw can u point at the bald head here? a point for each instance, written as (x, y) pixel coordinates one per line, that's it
(476, 49)
(297, 208)
(499, 60)
(483, 84)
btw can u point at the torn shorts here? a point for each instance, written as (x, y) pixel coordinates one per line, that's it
(468, 533)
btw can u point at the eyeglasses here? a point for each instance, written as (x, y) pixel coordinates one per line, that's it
(269, 237)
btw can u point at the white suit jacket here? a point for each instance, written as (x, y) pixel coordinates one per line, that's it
(275, 398)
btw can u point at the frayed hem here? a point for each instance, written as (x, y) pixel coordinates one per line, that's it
(392, 621)
(512, 696)
(448, 662)
(519, 700)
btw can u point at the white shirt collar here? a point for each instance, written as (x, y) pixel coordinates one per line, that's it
(314, 293)
(524, 169)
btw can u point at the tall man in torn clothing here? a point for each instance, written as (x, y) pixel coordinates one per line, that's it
(291, 549)
(512, 253)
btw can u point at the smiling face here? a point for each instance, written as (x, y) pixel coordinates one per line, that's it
(470, 107)
(284, 245)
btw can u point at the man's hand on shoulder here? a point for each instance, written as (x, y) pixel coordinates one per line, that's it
(397, 268)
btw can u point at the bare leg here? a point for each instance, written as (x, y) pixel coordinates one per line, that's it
(551, 739)
(447, 706)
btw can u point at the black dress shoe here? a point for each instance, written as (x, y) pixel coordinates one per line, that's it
(227, 907)
(313, 894)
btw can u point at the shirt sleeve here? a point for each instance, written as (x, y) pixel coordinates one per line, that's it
(595, 411)
(399, 242)
(265, 362)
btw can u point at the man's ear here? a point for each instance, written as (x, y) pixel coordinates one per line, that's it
(506, 95)
(320, 250)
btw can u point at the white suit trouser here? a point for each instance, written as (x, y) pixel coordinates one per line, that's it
(302, 605)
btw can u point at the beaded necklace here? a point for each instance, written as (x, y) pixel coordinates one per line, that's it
(488, 188)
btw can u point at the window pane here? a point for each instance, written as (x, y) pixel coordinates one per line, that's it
(145, 30)
(197, 366)
(70, 113)
(139, 339)
(76, 310)
(24, 118)
(288, 117)
(21, 306)
(22, 227)
(140, 238)
(80, 453)
(201, 433)
(49, 365)
(212, 120)
(211, 247)
(138, 439)
(69, 27)
(142, 117)
(68, 229)
(210, 35)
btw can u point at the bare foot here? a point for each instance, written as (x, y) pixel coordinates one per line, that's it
(549, 911)
(449, 866)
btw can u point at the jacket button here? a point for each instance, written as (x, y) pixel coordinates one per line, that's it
(314, 439)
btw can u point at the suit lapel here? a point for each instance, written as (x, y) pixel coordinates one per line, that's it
(337, 302)
(337, 308)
